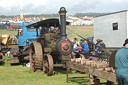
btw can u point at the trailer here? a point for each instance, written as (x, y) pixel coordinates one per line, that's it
(112, 28)
(94, 69)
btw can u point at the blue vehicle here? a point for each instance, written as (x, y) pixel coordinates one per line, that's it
(25, 37)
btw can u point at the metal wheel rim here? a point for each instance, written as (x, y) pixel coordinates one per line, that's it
(32, 65)
(35, 57)
(48, 64)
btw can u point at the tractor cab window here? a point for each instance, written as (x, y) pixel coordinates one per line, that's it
(20, 32)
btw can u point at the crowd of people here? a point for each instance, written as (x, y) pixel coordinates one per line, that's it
(84, 47)
(121, 57)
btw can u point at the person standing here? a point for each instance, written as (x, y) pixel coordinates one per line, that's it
(121, 64)
(75, 43)
(76, 52)
(101, 52)
(82, 42)
(97, 49)
(102, 44)
(85, 48)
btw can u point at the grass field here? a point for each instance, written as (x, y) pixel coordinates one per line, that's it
(19, 75)
(4, 31)
(84, 31)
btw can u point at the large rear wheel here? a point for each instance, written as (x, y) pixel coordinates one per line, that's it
(35, 57)
(48, 64)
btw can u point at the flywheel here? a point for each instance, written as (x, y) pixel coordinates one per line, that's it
(36, 58)
(48, 64)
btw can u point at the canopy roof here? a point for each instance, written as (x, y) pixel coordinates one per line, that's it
(46, 23)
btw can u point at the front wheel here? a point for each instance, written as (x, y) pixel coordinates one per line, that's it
(48, 64)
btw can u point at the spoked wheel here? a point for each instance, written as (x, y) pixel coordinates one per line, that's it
(35, 57)
(48, 64)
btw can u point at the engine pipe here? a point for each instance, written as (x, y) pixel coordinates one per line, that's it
(64, 45)
(62, 22)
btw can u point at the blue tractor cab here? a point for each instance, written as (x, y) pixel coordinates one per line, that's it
(26, 35)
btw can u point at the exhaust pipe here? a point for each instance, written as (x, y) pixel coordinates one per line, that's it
(64, 45)
(62, 21)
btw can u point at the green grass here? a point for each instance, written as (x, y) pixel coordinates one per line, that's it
(4, 31)
(84, 31)
(19, 75)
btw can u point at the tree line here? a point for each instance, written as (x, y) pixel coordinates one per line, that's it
(55, 15)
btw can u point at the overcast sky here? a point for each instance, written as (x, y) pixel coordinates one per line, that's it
(13, 7)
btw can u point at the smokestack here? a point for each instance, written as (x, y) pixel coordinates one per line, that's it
(62, 22)
(64, 45)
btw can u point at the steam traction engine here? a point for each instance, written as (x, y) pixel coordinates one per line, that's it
(53, 45)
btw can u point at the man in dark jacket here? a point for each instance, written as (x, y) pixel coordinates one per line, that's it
(102, 44)
(121, 64)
